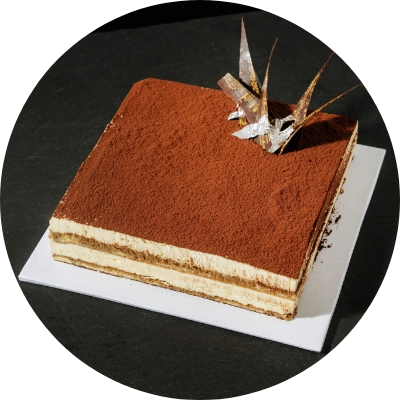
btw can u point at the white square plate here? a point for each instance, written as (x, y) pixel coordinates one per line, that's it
(317, 303)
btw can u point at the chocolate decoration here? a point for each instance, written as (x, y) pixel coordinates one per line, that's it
(247, 101)
(264, 140)
(247, 74)
(242, 122)
(300, 111)
(265, 131)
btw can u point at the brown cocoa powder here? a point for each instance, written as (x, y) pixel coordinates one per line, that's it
(167, 169)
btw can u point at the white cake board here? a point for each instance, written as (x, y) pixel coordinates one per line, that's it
(317, 303)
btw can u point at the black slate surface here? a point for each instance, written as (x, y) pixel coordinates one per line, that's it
(61, 122)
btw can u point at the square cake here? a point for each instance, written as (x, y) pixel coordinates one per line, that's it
(169, 197)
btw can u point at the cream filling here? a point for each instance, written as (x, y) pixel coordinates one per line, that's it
(185, 281)
(207, 262)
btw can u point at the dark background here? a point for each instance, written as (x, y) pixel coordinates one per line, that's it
(61, 122)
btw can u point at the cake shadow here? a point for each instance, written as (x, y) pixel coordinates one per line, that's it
(309, 308)
(319, 133)
(310, 312)
(321, 130)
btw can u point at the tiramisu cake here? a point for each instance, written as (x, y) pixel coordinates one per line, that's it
(170, 197)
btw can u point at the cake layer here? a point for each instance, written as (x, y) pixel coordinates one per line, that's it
(169, 256)
(172, 279)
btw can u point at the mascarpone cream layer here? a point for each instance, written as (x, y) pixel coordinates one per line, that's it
(187, 282)
(208, 262)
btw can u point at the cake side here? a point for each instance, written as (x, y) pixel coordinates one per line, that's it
(169, 256)
(168, 269)
(236, 295)
(326, 211)
(182, 179)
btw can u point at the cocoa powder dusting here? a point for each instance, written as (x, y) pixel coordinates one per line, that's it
(167, 169)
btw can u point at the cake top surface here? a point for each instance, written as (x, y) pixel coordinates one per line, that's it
(167, 169)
